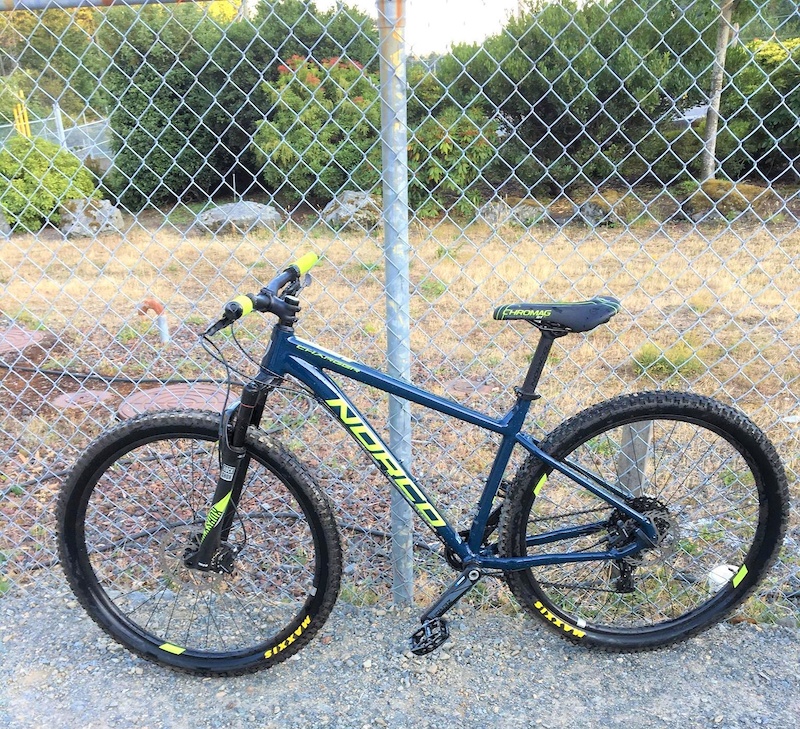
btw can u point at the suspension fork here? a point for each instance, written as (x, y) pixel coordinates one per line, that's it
(233, 464)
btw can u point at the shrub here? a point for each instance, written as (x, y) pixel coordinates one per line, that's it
(446, 155)
(190, 90)
(580, 85)
(760, 111)
(323, 132)
(36, 177)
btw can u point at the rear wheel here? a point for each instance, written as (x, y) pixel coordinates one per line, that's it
(708, 478)
(136, 502)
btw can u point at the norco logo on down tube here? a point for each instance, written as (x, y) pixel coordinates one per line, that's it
(388, 464)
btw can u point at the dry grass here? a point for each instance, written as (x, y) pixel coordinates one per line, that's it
(735, 293)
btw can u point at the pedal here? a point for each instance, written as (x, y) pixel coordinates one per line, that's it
(430, 636)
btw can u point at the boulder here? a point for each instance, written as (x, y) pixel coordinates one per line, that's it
(511, 211)
(611, 207)
(5, 228)
(239, 217)
(89, 217)
(596, 211)
(353, 209)
(716, 200)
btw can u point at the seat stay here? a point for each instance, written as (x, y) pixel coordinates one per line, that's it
(603, 490)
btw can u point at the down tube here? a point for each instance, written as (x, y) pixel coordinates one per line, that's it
(346, 413)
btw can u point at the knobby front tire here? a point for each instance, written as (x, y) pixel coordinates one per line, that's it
(710, 479)
(127, 513)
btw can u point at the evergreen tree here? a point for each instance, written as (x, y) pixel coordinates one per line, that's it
(191, 90)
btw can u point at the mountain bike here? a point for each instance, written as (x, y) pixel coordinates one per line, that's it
(200, 542)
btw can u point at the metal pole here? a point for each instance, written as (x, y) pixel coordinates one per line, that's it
(391, 22)
(633, 457)
(62, 137)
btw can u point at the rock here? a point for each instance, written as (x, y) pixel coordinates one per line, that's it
(350, 208)
(239, 217)
(526, 212)
(89, 217)
(494, 213)
(511, 211)
(709, 215)
(594, 212)
(5, 228)
(611, 207)
(722, 200)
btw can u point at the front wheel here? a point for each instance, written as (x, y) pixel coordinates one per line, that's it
(134, 506)
(708, 478)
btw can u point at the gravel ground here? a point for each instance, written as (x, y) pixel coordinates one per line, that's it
(59, 670)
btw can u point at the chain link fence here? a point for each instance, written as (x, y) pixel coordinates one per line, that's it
(89, 142)
(646, 149)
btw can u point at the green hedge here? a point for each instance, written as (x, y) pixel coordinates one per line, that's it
(36, 177)
(322, 133)
(191, 90)
(760, 135)
(448, 155)
(568, 94)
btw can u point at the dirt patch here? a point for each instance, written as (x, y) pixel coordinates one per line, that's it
(193, 396)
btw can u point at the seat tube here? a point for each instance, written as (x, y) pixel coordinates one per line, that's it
(514, 425)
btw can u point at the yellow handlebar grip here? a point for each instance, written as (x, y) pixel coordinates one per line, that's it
(246, 303)
(305, 263)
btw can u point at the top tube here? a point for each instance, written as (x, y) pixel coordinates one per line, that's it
(287, 351)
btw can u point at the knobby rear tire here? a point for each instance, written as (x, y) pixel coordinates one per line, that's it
(711, 478)
(127, 513)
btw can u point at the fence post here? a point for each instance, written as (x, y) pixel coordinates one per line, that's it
(633, 456)
(391, 22)
(62, 137)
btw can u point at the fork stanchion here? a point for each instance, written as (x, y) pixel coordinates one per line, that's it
(391, 22)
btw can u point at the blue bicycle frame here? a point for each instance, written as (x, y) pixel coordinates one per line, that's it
(306, 362)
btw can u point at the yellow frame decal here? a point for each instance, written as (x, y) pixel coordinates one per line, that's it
(388, 465)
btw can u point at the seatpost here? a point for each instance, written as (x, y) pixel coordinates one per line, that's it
(528, 389)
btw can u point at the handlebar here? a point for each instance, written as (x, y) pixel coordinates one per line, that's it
(277, 297)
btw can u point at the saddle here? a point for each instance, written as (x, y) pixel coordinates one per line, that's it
(562, 318)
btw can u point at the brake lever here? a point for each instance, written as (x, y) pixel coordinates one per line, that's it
(297, 286)
(216, 326)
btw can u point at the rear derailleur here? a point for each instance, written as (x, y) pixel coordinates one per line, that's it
(622, 531)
